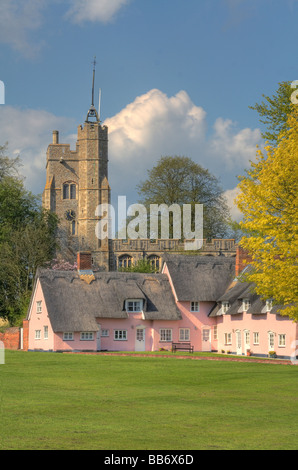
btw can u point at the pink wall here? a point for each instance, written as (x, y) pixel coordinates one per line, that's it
(38, 321)
(262, 324)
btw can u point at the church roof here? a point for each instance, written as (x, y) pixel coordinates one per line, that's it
(74, 305)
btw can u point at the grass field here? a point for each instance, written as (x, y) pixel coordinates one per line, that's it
(57, 401)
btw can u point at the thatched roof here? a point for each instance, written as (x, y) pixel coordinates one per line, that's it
(74, 305)
(200, 278)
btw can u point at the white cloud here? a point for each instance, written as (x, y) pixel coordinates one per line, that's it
(94, 10)
(28, 133)
(230, 195)
(151, 126)
(155, 125)
(17, 20)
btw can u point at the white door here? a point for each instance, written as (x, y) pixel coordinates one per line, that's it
(98, 340)
(271, 341)
(238, 343)
(206, 343)
(140, 339)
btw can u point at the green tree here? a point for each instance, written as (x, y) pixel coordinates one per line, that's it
(27, 240)
(274, 112)
(179, 180)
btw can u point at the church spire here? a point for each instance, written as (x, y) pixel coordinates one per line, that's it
(92, 113)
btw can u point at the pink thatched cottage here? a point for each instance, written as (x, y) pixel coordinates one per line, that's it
(196, 300)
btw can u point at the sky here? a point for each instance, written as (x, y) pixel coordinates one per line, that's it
(176, 78)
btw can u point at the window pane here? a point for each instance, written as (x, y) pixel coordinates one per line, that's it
(72, 191)
(66, 191)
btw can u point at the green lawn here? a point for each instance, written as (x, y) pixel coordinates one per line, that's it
(59, 401)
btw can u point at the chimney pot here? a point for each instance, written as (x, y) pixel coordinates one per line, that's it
(84, 261)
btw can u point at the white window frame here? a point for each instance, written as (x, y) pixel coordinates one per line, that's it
(39, 306)
(165, 335)
(46, 332)
(68, 336)
(215, 333)
(194, 306)
(282, 340)
(225, 306)
(247, 337)
(228, 338)
(137, 305)
(86, 336)
(120, 335)
(37, 334)
(184, 334)
(269, 305)
(256, 338)
(105, 333)
(245, 304)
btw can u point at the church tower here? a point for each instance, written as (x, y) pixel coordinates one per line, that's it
(77, 183)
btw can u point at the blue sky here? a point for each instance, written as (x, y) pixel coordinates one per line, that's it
(176, 78)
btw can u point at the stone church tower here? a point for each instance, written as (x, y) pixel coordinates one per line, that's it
(77, 182)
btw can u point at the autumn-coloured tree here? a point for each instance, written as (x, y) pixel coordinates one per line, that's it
(269, 204)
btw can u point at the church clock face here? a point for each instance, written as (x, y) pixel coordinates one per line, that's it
(70, 215)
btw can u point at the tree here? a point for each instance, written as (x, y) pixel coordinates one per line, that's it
(274, 112)
(27, 240)
(269, 203)
(179, 180)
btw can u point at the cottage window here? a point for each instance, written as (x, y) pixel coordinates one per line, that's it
(184, 334)
(195, 306)
(269, 305)
(215, 333)
(46, 332)
(67, 336)
(134, 305)
(86, 336)
(228, 338)
(282, 341)
(225, 307)
(256, 337)
(165, 334)
(247, 338)
(120, 335)
(245, 305)
(37, 334)
(39, 306)
(105, 333)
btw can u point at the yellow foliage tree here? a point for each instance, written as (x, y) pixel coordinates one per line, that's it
(269, 203)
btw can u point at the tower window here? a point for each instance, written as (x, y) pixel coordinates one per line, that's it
(69, 191)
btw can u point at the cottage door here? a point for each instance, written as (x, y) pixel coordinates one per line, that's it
(206, 343)
(140, 339)
(238, 343)
(271, 341)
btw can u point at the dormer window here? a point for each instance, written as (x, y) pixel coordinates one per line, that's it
(134, 305)
(225, 306)
(245, 305)
(269, 305)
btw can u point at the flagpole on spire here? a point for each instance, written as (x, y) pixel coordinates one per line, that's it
(92, 111)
